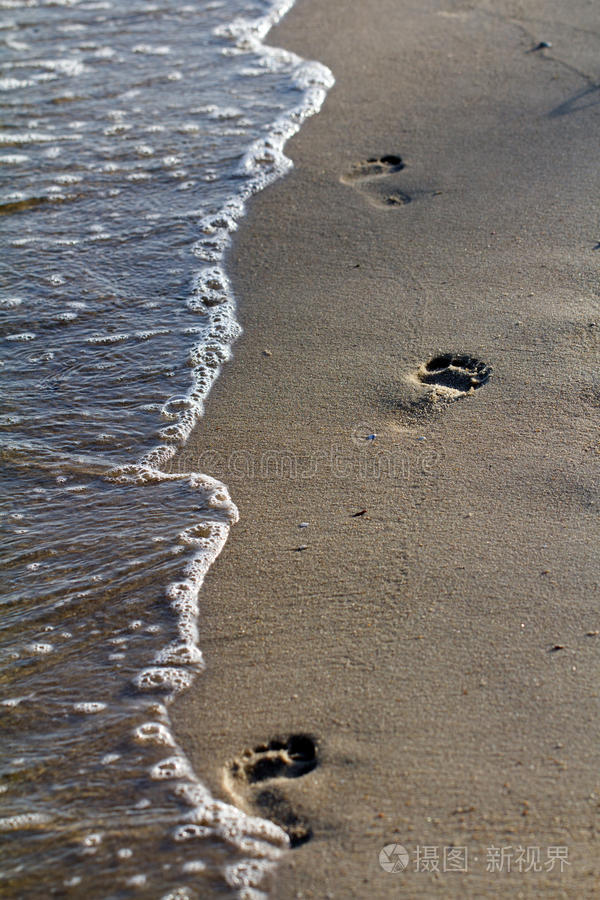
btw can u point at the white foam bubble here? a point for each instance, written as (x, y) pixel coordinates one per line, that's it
(245, 874)
(24, 821)
(40, 649)
(12, 84)
(193, 866)
(107, 338)
(193, 794)
(191, 831)
(10, 302)
(172, 767)
(19, 46)
(13, 159)
(109, 758)
(89, 708)
(64, 66)
(182, 653)
(69, 179)
(31, 137)
(154, 733)
(22, 336)
(152, 50)
(181, 893)
(94, 839)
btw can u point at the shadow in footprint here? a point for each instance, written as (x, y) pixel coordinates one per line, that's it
(374, 167)
(256, 781)
(459, 374)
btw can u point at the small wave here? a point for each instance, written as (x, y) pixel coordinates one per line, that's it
(100, 478)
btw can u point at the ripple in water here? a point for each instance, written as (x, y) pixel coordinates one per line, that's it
(132, 139)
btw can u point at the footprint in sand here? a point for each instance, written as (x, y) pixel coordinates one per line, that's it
(256, 780)
(361, 174)
(454, 375)
(375, 178)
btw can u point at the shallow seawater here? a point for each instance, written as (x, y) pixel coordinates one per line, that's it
(132, 134)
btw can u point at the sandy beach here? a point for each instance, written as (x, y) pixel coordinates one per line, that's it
(418, 387)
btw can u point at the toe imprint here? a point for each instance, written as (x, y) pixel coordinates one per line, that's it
(278, 759)
(373, 168)
(399, 198)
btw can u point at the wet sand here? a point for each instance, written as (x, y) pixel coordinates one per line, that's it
(442, 647)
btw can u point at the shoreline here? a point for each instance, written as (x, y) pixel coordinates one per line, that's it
(415, 642)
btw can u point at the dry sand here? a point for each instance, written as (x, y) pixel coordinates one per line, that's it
(443, 647)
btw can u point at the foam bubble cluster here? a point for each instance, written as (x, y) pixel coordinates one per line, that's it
(154, 733)
(173, 767)
(167, 679)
